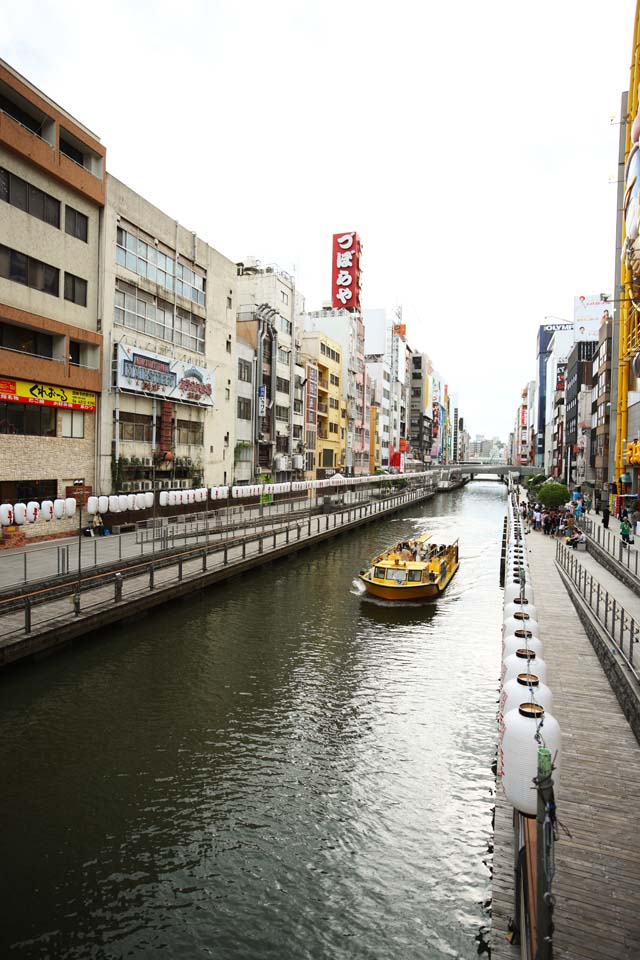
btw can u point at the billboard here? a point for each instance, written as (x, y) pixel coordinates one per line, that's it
(594, 306)
(428, 396)
(345, 275)
(46, 395)
(145, 372)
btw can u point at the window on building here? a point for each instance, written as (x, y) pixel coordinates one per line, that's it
(282, 385)
(284, 356)
(335, 381)
(147, 261)
(285, 326)
(244, 371)
(190, 432)
(244, 408)
(73, 423)
(155, 317)
(333, 428)
(76, 224)
(30, 272)
(32, 200)
(284, 296)
(75, 289)
(72, 152)
(23, 340)
(74, 353)
(334, 403)
(297, 431)
(136, 427)
(26, 419)
(297, 406)
(282, 413)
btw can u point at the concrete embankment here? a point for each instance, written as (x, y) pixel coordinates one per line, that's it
(48, 618)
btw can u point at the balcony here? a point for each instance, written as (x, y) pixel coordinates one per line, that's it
(323, 385)
(322, 407)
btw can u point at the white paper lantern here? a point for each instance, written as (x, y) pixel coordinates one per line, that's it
(140, 501)
(512, 590)
(172, 498)
(514, 607)
(511, 643)
(520, 755)
(6, 514)
(199, 497)
(523, 661)
(526, 687)
(103, 504)
(58, 509)
(148, 499)
(164, 498)
(33, 509)
(19, 513)
(123, 502)
(70, 507)
(114, 504)
(46, 509)
(92, 505)
(520, 621)
(131, 501)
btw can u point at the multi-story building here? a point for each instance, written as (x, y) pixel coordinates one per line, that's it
(325, 354)
(421, 407)
(52, 192)
(545, 334)
(578, 421)
(168, 316)
(268, 303)
(244, 462)
(379, 375)
(346, 328)
(601, 411)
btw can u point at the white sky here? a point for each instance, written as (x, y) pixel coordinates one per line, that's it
(469, 143)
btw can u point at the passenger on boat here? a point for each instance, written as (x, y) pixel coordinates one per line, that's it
(406, 552)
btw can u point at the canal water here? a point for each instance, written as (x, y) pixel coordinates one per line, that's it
(276, 769)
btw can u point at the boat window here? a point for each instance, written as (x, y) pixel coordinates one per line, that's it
(393, 573)
(415, 574)
(379, 573)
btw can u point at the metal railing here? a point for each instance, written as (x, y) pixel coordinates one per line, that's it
(612, 544)
(50, 606)
(621, 628)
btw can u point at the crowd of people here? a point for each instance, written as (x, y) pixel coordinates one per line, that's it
(564, 521)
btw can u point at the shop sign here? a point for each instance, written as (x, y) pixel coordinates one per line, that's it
(633, 452)
(145, 372)
(46, 395)
(262, 401)
(561, 376)
(345, 288)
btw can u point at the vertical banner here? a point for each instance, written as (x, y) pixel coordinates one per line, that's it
(345, 274)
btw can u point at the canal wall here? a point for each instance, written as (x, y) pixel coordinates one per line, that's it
(32, 625)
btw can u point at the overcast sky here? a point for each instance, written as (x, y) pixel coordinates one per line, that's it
(469, 143)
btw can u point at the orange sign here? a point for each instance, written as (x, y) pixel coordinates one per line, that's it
(400, 330)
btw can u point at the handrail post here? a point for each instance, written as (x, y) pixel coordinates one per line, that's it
(27, 614)
(117, 590)
(151, 576)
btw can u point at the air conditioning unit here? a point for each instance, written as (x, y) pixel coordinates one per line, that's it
(148, 461)
(298, 462)
(188, 461)
(166, 484)
(147, 485)
(127, 487)
(157, 484)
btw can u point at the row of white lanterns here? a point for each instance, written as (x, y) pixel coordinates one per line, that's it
(526, 701)
(18, 513)
(59, 509)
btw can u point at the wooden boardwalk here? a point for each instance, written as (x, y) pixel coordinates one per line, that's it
(597, 881)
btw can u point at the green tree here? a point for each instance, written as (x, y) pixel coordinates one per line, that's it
(552, 494)
(534, 482)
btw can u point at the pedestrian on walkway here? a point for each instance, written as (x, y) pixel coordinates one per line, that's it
(625, 531)
(606, 513)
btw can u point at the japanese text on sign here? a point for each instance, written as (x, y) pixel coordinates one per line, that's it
(345, 290)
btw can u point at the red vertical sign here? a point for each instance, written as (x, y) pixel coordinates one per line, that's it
(345, 287)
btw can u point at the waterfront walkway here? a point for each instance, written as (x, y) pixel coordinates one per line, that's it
(597, 880)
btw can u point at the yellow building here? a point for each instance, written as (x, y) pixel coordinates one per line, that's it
(325, 353)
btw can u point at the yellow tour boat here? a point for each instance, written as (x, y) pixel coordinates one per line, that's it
(412, 570)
